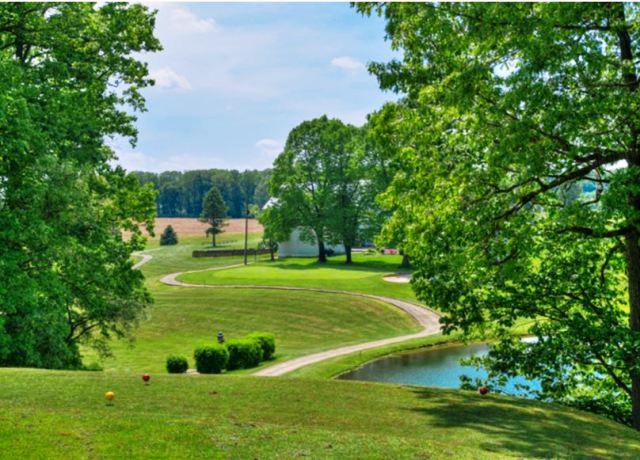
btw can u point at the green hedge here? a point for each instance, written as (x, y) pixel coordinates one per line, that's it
(177, 364)
(211, 359)
(243, 353)
(267, 342)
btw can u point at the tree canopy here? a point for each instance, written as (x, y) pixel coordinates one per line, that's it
(519, 191)
(68, 80)
(313, 184)
(181, 194)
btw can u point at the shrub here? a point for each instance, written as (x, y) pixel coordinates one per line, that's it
(211, 359)
(244, 353)
(267, 342)
(168, 237)
(177, 364)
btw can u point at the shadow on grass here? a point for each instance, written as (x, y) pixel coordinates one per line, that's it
(369, 265)
(521, 427)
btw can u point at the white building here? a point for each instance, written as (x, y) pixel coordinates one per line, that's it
(295, 247)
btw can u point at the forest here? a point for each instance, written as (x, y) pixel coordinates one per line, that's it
(180, 194)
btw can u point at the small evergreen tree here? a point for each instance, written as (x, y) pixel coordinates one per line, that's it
(213, 213)
(168, 237)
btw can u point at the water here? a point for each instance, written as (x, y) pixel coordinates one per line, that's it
(438, 367)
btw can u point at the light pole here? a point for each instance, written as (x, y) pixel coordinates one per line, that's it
(246, 234)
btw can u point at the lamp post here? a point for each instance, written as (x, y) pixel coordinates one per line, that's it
(246, 234)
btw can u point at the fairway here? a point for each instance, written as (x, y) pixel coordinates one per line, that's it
(365, 275)
(303, 323)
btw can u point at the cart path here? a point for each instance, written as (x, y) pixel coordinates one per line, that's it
(427, 318)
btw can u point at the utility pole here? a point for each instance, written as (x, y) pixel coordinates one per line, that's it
(246, 234)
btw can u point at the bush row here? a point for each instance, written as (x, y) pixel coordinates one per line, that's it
(234, 354)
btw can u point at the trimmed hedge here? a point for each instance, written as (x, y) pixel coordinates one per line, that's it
(267, 342)
(177, 364)
(243, 353)
(211, 359)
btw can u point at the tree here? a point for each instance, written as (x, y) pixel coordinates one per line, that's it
(304, 179)
(506, 106)
(68, 81)
(350, 197)
(214, 213)
(168, 237)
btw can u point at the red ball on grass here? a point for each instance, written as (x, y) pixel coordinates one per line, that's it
(483, 390)
(146, 377)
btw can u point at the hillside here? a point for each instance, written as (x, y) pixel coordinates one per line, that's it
(64, 415)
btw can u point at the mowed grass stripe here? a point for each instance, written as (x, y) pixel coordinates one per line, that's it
(303, 323)
(365, 275)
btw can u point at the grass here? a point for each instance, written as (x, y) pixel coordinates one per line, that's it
(364, 276)
(49, 414)
(303, 323)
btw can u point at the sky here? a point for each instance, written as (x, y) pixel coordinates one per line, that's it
(234, 79)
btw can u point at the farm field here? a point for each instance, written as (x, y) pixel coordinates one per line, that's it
(189, 226)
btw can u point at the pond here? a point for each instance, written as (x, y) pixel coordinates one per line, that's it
(433, 367)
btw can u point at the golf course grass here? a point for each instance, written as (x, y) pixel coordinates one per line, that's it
(58, 414)
(182, 319)
(303, 323)
(365, 275)
(50, 414)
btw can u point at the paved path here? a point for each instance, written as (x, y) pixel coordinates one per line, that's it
(145, 258)
(428, 319)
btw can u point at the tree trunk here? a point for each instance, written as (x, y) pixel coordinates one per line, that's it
(633, 272)
(322, 256)
(405, 261)
(632, 239)
(271, 252)
(213, 239)
(347, 251)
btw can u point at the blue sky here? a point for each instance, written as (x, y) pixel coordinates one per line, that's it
(234, 79)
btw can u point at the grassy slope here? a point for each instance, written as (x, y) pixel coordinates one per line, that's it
(365, 275)
(303, 323)
(61, 414)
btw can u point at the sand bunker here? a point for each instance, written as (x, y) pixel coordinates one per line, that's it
(398, 278)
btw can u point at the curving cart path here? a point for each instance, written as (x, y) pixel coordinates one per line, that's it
(428, 319)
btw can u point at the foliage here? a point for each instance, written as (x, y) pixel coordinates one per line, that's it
(244, 353)
(211, 359)
(213, 212)
(177, 364)
(180, 194)
(267, 342)
(507, 108)
(68, 80)
(169, 236)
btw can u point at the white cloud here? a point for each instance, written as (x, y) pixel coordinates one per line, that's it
(184, 21)
(139, 161)
(269, 148)
(166, 77)
(347, 63)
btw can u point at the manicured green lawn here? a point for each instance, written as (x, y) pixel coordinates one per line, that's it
(49, 414)
(303, 323)
(365, 275)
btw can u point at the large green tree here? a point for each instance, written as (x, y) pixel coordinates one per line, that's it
(68, 80)
(506, 107)
(214, 212)
(311, 178)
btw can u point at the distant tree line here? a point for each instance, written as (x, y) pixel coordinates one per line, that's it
(180, 194)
